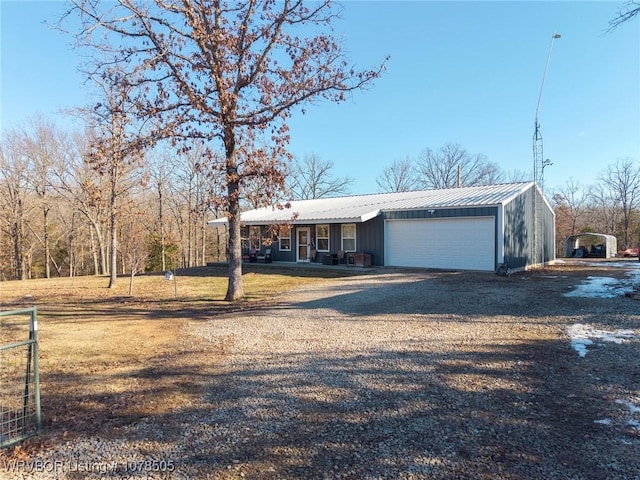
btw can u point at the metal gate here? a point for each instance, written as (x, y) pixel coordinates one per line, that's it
(19, 376)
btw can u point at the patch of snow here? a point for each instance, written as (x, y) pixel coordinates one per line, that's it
(632, 408)
(581, 336)
(600, 287)
(604, 421)
(608, 287)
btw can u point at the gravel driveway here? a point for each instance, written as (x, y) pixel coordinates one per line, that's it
(408, 374)
(428, 375)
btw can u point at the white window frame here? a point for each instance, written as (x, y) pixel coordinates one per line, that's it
(328, 238)
(343, 237)
(282, 237)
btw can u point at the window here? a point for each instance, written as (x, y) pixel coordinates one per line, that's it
(285, 238)
(322, 238)
(255, 238)
(349, 237)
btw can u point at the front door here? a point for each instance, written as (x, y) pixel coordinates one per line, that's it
(303, 244)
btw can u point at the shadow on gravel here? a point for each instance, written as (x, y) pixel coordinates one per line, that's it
(525, 412)
(500, 412)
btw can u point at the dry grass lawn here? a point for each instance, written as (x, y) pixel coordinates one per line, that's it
(116, 358)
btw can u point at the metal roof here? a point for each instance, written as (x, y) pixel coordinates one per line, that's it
(360, 208)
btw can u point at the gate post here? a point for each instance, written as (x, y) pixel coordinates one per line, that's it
(20, 415)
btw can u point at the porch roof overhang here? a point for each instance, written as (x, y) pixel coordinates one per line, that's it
(288, 217)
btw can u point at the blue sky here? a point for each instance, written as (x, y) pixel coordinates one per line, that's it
(462, 72)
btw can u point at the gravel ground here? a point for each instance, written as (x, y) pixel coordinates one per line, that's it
(396, 374)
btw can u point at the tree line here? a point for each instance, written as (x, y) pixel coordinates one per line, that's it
(56, 207)
(56, 202)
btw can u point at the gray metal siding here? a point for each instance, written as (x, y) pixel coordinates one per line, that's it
(442, 213)
(518, 228)
(335, 231)
(276, 254)
(283, 255)
(370, 239)
(548, 231)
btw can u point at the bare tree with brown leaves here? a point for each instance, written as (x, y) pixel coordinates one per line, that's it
(82, 187)
(229, 73)
(117, 146)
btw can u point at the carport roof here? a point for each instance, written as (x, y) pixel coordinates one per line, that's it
(360, 208)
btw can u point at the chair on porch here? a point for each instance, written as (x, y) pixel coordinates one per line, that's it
(341, 257)
(314, 254)
(264, 257)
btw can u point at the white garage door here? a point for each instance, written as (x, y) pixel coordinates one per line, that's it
(450, 243)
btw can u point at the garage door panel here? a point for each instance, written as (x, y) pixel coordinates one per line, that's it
(460, 243)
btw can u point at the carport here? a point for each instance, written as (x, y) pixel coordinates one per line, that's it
(591, 245)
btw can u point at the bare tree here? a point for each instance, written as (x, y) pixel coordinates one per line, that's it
(570, 204)
(134, 251)
(192, 189)
(159, 167)
(313, 177)
(625, 13)
(118, 144)
(603, 210)
(572, 198)
(516, 176)
(228, 72)
(452, 166)
(42, 144)
(623, 181)
(15, 204)
(85, 190)
(400, 176)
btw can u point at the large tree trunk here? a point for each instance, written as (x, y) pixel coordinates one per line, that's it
(235, 288)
